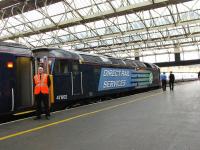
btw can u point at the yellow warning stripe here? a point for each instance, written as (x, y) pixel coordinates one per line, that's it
(72, 118)
(24, 112)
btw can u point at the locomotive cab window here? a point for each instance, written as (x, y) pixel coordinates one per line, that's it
(61, 67)
(75, 68)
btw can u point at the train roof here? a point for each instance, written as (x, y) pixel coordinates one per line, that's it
(15, 48)
(87, 57)
(55, 53)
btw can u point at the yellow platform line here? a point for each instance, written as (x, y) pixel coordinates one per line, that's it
(24, 112)
(72, 118)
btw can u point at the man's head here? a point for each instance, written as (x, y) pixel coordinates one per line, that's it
(40, 70)
(170, 71)
(163, 72)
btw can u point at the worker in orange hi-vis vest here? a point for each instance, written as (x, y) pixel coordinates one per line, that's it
(41, 91)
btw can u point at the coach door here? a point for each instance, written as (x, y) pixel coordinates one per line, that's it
(77, 80)
(23, 91)
(7, 82)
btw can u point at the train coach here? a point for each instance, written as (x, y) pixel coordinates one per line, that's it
(74, 76)
(15, 78)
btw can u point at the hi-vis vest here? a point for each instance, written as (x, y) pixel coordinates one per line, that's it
(41, 85)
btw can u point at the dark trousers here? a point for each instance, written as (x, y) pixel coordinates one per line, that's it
(42, 98)
(164, 83)
(171, 85)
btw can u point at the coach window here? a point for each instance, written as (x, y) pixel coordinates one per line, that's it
(61, 67)
(75, 67)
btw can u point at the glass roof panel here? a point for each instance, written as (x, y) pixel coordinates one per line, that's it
(90, 25)
(82, 3)
(55, 9)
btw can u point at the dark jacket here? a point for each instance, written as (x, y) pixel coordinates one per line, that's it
(171, 77)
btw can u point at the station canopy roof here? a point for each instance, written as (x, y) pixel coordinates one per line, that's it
(122, 28)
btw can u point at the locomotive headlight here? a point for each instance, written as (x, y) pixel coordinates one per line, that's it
(10, 65)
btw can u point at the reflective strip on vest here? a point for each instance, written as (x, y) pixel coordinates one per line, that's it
(41, 85)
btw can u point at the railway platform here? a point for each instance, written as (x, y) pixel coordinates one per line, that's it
(153, 120)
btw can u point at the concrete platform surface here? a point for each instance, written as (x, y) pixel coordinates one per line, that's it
(154, 120)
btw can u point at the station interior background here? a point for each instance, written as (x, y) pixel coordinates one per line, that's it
(155, 31)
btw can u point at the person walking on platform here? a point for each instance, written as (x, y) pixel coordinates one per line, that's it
(41, 92)
(171, 81)
(163, 78)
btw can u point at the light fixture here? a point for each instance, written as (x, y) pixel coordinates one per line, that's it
(10, 65)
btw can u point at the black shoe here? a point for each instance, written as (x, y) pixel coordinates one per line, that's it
(37, 118)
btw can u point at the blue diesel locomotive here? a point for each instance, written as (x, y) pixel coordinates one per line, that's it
(74, 76)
